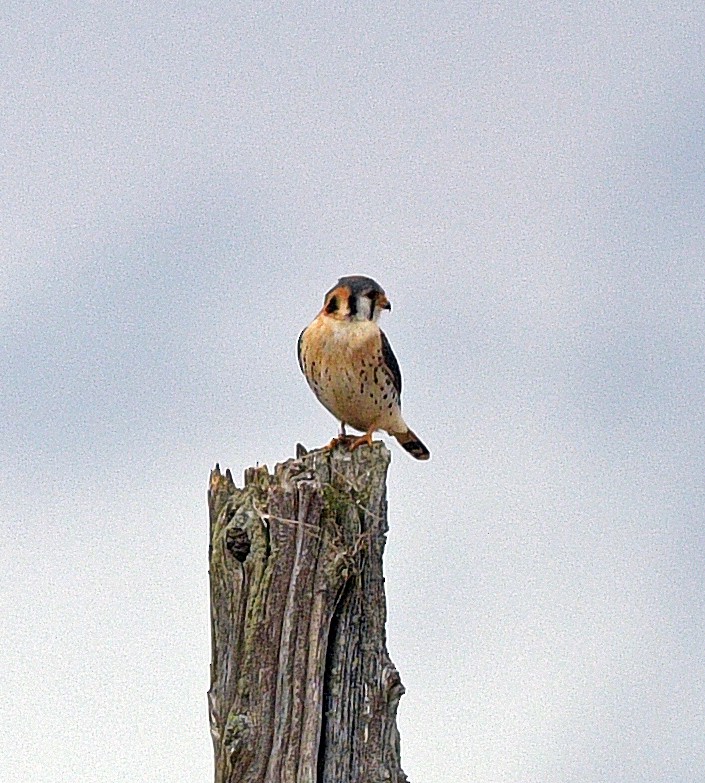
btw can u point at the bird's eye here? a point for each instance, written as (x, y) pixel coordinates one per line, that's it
(332, 305)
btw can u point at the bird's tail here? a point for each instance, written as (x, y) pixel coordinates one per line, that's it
(409, 441)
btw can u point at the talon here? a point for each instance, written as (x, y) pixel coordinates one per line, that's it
(366, 438)
(344, 439)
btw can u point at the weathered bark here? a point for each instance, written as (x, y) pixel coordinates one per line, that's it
(302, 686)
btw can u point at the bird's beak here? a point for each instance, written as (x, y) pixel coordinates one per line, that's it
(384, 303)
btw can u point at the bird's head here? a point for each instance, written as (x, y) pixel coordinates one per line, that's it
(355, 298)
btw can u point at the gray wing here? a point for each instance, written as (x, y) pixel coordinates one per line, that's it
(390, 360)
(298, 349)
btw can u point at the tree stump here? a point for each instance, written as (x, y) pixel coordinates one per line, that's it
(302, 686)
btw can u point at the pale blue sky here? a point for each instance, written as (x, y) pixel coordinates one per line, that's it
(527, 182)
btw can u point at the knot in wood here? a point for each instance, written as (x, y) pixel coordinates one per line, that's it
(391, 682)
(237, 542)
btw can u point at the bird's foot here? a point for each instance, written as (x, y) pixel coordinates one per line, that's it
(344, 439)
(357, 442)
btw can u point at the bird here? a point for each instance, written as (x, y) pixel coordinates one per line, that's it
(350, 366)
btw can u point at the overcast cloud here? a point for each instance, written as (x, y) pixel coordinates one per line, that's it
(181, 184)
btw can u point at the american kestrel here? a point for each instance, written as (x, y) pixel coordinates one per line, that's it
(349, 364)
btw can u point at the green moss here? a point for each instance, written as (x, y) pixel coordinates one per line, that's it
(342, 506)
(336, 502)
(238, 730)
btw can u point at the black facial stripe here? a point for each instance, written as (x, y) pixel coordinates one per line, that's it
(352, 304)
(332, 306)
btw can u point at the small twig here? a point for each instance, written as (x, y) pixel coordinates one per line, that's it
(266, 517)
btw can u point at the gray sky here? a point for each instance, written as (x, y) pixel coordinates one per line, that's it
(527, 181)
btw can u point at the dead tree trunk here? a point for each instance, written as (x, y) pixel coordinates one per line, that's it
(302, 686)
